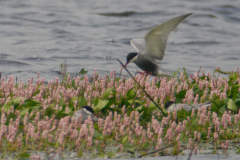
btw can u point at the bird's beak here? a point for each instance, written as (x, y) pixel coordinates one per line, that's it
(95, 114)
(126, 64)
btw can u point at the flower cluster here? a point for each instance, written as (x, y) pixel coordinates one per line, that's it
(35, 116)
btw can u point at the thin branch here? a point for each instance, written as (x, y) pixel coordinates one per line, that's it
(134, 99)
(142, 88)
(190, 155)
(199, 69)
(155, 151)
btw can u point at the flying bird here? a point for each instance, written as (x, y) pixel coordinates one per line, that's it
(153, 46)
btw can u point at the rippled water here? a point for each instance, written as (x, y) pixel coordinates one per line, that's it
(180, 157)
(72, 156)
(37, 36)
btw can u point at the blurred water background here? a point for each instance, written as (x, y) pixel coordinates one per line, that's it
(37, 36)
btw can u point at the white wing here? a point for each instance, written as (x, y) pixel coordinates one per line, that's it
(156, 38)
(138, 44)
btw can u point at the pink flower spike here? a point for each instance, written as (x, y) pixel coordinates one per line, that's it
(190, 143)
(35, 157)
(195, 149)
(226, 146)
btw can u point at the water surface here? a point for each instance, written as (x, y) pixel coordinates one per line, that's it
(37, 36)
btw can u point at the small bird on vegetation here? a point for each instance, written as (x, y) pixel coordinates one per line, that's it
(170, 105)
(85, 111)
(153, 46)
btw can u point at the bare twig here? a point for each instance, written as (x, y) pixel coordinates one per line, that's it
(142, 88)
(155, 151)
(192, 148)
(225, 157)
(199, 70)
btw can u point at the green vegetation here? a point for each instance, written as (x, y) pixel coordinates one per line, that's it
(37, 117)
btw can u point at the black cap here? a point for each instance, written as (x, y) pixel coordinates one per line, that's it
(168, 104)
(88, 108)
(131, 56)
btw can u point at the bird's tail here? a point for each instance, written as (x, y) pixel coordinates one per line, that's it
(163, 73)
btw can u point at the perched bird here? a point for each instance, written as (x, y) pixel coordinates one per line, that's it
(85, 111)
(153, 46)
(170, 105)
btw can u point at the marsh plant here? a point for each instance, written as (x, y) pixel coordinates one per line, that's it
(38, 116)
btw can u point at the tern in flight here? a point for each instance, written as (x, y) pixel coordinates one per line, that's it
(153, 46)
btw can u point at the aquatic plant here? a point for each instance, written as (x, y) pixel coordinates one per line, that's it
(38, 116)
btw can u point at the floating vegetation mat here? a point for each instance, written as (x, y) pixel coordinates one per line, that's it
(37, 117)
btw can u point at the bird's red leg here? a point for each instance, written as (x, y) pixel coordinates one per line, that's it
(143, 73)
(148, 73)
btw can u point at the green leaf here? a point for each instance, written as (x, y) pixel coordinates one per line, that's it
(146, 145)
(73, 84)
(108, 92)
(30, 102)
(11, 115)
(131, 93)
(101, 104)
(13, 102)
(136, 101)
(61, 114)
(129, 146)
(196, 90)
(185, 73)
(232, 106)
(28, 106)
(124, 140)
(110, 154)
(24, 111)
(49, 111)
(222, 109)
(140, 108)
(52, 144)
(236, 146)
(95, 126)
(82, 72)
(97, 135)
(176, 72)
(82, 101)
(220, 72)
(16, 100)
(217, 104)
(7, 106)
(73, 99)
(203, 77)
(237, 102)
(180, 96)
(131, 149)
(238, 151)
(152, 106)
(233, 76)
(225, 101)
(234, 91)
(182, 114)
(61, 65)
(158, 84)
(24, 155)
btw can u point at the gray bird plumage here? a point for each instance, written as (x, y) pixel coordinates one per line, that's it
(85, 111)
(153, 46)
(170, 105)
